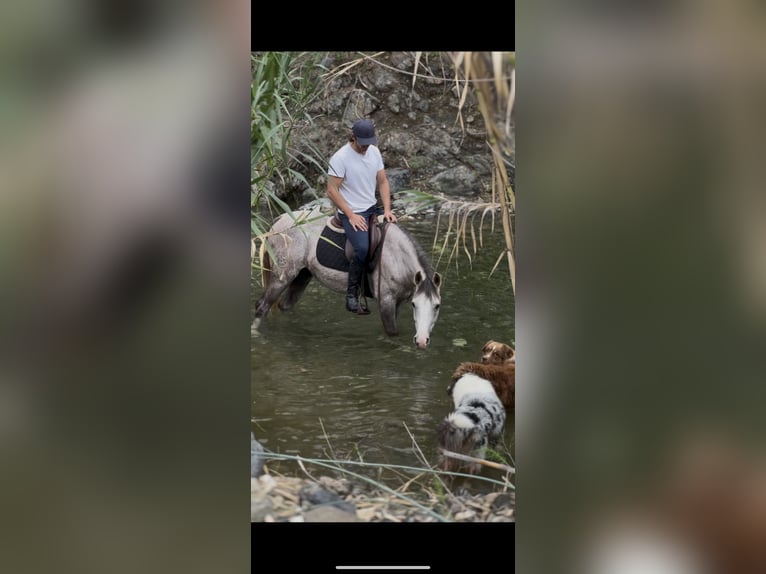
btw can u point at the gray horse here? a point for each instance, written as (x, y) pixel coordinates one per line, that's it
(297, 243)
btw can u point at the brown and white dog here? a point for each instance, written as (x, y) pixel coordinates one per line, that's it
(502, 377)
(494, 353)
(477, 422)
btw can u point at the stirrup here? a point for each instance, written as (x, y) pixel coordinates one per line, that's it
(356, 306)
(362, 308)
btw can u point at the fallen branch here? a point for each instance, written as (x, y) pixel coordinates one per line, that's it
(489, 463)
(303, 468)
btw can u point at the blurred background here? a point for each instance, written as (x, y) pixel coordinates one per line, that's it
(641, 287)
(124, 256)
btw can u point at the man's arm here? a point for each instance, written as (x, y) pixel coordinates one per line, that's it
(385, 195)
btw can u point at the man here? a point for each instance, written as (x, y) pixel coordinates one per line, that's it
(355, 171)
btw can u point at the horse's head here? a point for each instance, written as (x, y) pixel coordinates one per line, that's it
(425, 306)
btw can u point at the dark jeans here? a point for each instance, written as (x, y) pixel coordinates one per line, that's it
(359, 239)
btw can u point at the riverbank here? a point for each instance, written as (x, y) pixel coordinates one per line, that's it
(275, 498)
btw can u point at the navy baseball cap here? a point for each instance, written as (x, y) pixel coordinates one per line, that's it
(364, 132)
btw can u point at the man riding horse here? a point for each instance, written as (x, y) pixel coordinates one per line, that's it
(355, 171)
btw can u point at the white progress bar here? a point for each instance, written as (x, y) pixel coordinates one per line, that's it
(382, 567)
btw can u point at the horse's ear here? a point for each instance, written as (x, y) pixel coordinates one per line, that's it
(418, 278)
(437, 279)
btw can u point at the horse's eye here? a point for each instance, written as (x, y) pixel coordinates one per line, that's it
(437, 307)
(413, 304)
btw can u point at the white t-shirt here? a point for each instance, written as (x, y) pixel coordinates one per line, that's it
(359, 173)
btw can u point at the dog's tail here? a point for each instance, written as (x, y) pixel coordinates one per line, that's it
(457, 433)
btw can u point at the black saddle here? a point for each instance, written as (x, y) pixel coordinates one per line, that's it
(335, 251)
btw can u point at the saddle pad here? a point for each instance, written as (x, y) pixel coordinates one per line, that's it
(331, 252)
(331, 249)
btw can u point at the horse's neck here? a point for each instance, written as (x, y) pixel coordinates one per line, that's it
(409, 262)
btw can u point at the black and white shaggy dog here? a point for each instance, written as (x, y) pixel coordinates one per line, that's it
(477, 422)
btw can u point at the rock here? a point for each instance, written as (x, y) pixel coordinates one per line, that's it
(342, 487)
(455, 505)
(457, 180)
(502, 501)
(418, 125)
(260, 503)
(314, 494)
(328, 514)
(465, 516)
(260, 509)
(398, 179)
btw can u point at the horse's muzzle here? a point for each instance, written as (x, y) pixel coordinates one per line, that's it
(421, 344)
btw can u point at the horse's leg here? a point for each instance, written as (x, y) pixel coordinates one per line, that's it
(283, 266)
(264, 303)
(387, 306)
(262, 307)
(269, 297)
(295, 290)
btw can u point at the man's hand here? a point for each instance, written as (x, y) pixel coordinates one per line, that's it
(357, 222)
(389, 216)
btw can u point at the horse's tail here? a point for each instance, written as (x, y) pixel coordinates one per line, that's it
(263, 255)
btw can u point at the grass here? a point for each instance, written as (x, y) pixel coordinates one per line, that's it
(464, 231)
(419, 488)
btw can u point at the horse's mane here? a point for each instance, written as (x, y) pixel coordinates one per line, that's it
(423, 257)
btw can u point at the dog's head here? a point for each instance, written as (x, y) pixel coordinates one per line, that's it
(494, 353)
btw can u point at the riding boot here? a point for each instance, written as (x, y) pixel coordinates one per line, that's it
(355, 274)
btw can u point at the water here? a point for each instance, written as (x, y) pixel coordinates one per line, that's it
(329, 384)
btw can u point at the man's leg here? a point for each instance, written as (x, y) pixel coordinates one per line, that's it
(361, 243)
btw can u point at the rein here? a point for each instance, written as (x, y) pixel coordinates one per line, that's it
(383, 229)
(380, 261)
